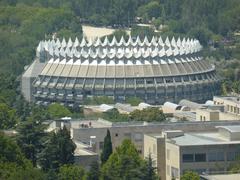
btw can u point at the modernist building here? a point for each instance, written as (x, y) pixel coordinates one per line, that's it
(174, 152)
(153, 70)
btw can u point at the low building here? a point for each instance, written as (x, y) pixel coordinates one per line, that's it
(214, 115)
(220, 177)
(174, 152)
(231, 104)
(84, 130)
(207, 115)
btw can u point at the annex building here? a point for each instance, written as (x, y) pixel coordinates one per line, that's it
(154, 70)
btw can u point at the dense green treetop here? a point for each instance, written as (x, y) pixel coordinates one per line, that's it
(125, 163)
(190, 175)
(72, 172)
(57, 111)
(58, 151)
(31, 137)
(148, 115)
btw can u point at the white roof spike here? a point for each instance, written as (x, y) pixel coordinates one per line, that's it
(169, 52)
(114, 40)
(68, 52)
(46, 45)
(58, 43)
(121, 42)
(83, 42)
(76, 42)
(50, 51)
(105, 42)
(181, 50)
(173, 42)
(56, 52)
(175, 51)
(62, 52)
(188, 41)
(167, 42)
(154, 41)
(90, 42)
(70, 43)
(160, 41)
(138, 40)
(40, 47)
(97, 42)
(179, 42)
(64, 44)
(183, 42)
(145, 41)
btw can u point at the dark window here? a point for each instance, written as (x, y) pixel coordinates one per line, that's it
(187, 157)
(101, 145)
(220, 156)
(178, 79)
(231, 156)
(200, 157)
(116, 135)
(212, 157)
(169, 80)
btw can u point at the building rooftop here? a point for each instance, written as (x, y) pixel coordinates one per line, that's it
(231, 129)
(206, 138)
(221, 177)
(230, 98)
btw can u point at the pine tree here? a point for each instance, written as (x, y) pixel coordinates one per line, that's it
(58, 151)
(151, 175)
(107, 148)
(30, 138)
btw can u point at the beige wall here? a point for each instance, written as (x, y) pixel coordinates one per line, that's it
(172, 161)
(207, 115)
(230, 106)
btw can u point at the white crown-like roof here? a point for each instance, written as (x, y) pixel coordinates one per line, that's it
(123, 49)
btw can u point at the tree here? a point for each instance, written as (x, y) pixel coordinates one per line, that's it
(94, 172)
(73, 172)
(134, 101)
(10, 152)
(58, 111)
(148, 114)
(14, 171)
(151, 175)
(107, 148)
(189, 175)
(30, 138)
(59, 151)
(13, 164)
(115, 116)
(8, 117)
(125, 163)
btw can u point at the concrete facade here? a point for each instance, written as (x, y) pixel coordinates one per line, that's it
(202, 152)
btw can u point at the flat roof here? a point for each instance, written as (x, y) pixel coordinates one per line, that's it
(231, 129)
(221, 177)
(195, 139)
(230, 98)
